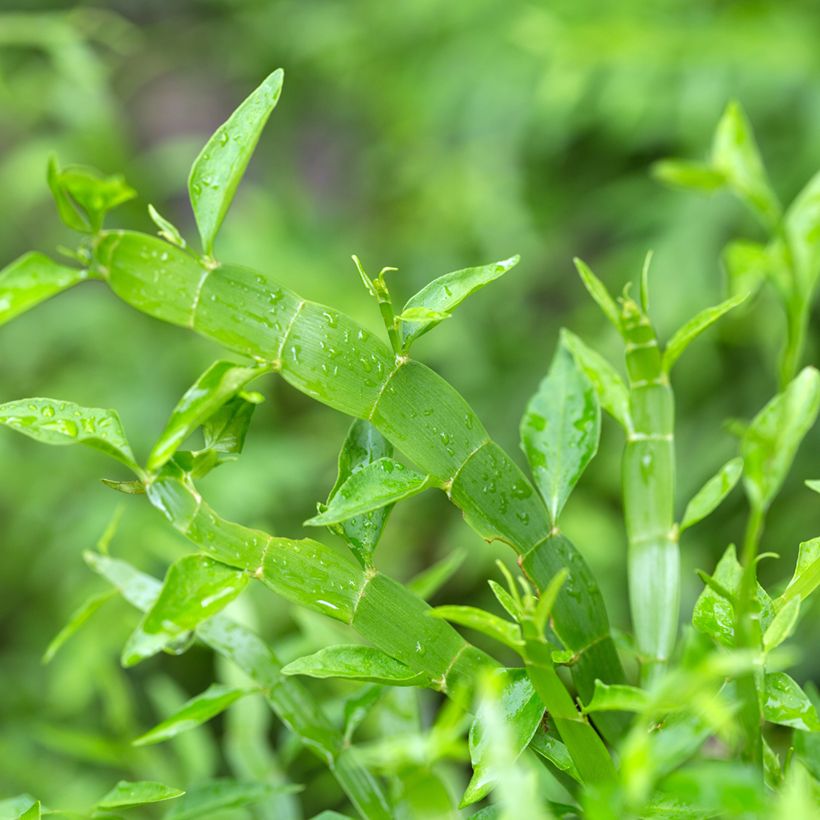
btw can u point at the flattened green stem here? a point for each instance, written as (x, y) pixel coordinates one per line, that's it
(287, 697)
(326, 355)
(649, 494)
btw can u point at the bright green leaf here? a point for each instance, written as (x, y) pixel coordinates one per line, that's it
(785, 703)
(782, 625)
(195, 588)
(441, 296)
(771, 440)
(199, 709)
(806, 576)
(689, 331)
(694, 176)
(617, 698)
(718, 788)
(63, 422)
(612, 392)
(31, 279)
(137, 793)
(748, 265)
(560, 430)
(802, 227)
(355, 663)
(13, 807)
(597, 290)
(167, 230)
(78, 618)
(221, 794)
(482, 621)
(218, 170)
(372, 487)
(709, 497)
(505, 599)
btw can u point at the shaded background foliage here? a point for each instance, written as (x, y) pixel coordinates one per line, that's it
(424, 135)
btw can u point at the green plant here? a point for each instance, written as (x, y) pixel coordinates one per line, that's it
(607, 748)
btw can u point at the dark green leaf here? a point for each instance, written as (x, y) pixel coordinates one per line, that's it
(560, 430)
(218, 170)
(137, 793)
(355, 663)
(709, 497)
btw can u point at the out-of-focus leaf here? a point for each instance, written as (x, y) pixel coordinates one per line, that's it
(485, 622)
(771, 440)
(798, 795)
(802, 226)
(610, 387)
(782, 625)
(199, 709)
(221, 794)
(429, 581)
(35, 812)
(709, 497)
(13, 807)
(694, 176)
(195, 588)
(717, 788)
(218, 170)
(87, 193)
(374, 486)
(516, 705)
(807, 744)
(560, 430)
(806, 576)
(63, 422)
(363, 446)
(748, 265)
(689, 331)
(32, 279)
(441, 296)
(597, 290)
(736, 156)
(137, 793)
(78, 618)
(617, 697)
(356, 663)
(784, 702)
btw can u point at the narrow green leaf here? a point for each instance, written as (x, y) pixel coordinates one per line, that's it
(429, 581)
(802, 227)
(125, 487)
(712, 493)
(372, 487)
(617, 698)
(785, 703)
(218, 170)
(782, 625)
(199, 709)
(32, 279)
(137, 793)
(485, 622)
(505, 599)
(612, 392)
(363, 445)
(222, 794)
(597, 290)
(806, 576)
(356, 663)
(63, 422)
(441, 296)
(771, 440)
(736, 156)
(688, 332)
(693, 176)
(560, 430)
(208, 394)
(547, 599)
(195, 588)
(78, 618)
(167, 230)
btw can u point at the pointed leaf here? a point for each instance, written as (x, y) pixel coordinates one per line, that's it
(356, 663)
(785, 703)
(612, 392)
(694, 176)
(688, 332)
(209, 393)
(63, 422)
(137, 793)
(222, 794)
(485, 622)
(771, 440)
(199, 709)
(802, 226)
(806, 576)
(782, 625)
(88, 193)
(78, 618)
(617, 698)
(195, 589)
(443, 295)
(736, 156)
(429, 581)
(167, 230)
(218, 170)
(374, 486)
(597, 290)
(560, 430)
(363, 445)
(32, 279)
(712, 493)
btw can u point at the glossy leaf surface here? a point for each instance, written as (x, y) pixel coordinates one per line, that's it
(619, 697)
(784, 702)
(137, 793)
(481, 621)
(356, 663)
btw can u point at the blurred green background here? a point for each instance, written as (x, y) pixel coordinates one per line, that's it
(425, 135)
